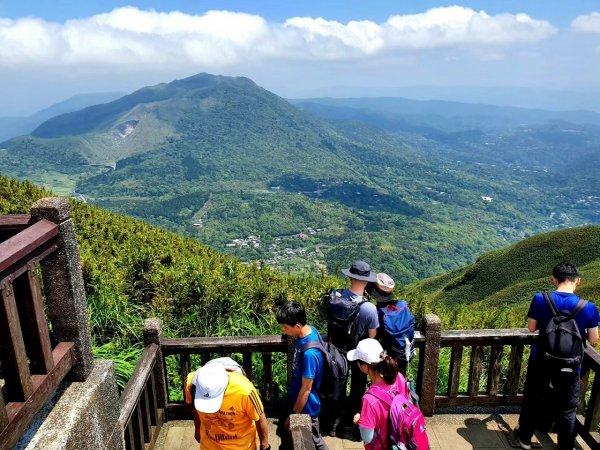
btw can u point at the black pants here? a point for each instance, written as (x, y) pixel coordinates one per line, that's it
(338, 415)
(549, 391)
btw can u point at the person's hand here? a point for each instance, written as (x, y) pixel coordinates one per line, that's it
(268, 447)
(356, 418)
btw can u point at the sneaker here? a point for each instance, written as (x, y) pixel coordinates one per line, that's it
(523, 445)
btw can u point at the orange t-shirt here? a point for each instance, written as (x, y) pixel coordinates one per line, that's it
(233, 426)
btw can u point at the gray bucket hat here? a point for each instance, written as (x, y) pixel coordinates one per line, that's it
(360, 270)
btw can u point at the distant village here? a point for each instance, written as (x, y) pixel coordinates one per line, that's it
(281, 251)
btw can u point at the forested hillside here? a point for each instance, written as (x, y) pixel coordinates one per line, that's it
(495, 291)
(238, 168)
(133, 271)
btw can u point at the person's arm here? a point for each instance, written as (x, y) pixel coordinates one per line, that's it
(303, 395)
(592, 335)
(532, 324)
(189, 400)
(262, 427)
(372, 320)
(366, 434)
(196, 417)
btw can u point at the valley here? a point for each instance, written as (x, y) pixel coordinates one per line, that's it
(416, 188)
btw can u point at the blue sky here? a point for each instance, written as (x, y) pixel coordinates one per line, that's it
(469, 50)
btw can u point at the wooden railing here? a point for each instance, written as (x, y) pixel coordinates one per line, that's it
(494, 374)
(588, 417)
(208, 348)
(140, 417)
(31, 368)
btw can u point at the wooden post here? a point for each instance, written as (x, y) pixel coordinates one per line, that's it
(454, 375)
(63, 283)
(496, 353)
(153, 335)
(475, 370)
(514, 370)
(428, 364)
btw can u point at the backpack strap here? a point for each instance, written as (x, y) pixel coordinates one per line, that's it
(380, 394)
(580, 305)
(550, 302)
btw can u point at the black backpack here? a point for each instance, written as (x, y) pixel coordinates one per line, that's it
(561, 341)
(335, 369)
(342, 315)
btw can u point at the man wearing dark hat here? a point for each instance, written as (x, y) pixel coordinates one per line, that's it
(351, 318)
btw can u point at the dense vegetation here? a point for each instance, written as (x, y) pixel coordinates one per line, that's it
(234, 166)
(495, 291)
(133, 271)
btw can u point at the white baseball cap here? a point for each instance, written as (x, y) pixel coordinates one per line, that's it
(368, 350)
(211, 382)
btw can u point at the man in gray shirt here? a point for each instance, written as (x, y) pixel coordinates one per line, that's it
(345, 335)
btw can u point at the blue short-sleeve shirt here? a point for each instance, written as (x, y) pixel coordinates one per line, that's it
(310, 367)
(540, 311)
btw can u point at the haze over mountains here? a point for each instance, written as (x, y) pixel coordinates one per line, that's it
(16, 126)
(417, 188)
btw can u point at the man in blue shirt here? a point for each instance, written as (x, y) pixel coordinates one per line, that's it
(564, 382)
(303, 395)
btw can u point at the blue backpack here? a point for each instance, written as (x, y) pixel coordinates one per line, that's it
(397, 329)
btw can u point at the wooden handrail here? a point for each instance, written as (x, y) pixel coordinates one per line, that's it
(14, 223)
(20, 414)
(275, 342)
(26, 242)
(137, 382)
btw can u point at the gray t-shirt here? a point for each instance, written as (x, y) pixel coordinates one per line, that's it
(367, 314)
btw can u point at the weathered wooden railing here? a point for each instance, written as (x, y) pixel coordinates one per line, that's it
(588, 413)
(32, 368)
(140, 417)
(493, 376)
(209, 347)
(501, 373)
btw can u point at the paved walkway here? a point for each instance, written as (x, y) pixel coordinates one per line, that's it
(446, 432)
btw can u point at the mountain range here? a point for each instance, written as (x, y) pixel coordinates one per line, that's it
(16, 126)
(415, 188)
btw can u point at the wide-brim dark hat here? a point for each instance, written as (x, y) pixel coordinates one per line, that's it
(360, 270)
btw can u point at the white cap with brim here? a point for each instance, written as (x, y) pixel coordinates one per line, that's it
(368, 350)
(211, 383)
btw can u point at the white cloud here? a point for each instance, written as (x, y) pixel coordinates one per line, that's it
(589, 23)
(132, 37)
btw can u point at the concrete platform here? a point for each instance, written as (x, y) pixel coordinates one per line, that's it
(446, 432)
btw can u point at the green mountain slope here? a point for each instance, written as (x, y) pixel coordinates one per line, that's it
(133, 270)
(235, 166)
(496, 290)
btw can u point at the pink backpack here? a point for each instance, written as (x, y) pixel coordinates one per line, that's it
(407, 430)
